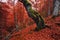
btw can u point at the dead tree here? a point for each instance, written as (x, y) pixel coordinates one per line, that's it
(56, 7)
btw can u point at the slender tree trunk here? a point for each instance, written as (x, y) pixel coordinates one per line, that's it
(49, 7)
(15, 17)
(56, 8)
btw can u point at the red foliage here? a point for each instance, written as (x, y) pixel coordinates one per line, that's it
(7, 16)
(52, 32)
(42, 6)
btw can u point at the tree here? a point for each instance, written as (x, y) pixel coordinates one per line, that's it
(56, 7)
(34, 15)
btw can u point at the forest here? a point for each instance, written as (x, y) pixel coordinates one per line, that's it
(29, 19)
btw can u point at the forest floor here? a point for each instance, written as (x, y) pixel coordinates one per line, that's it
(51, 32)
